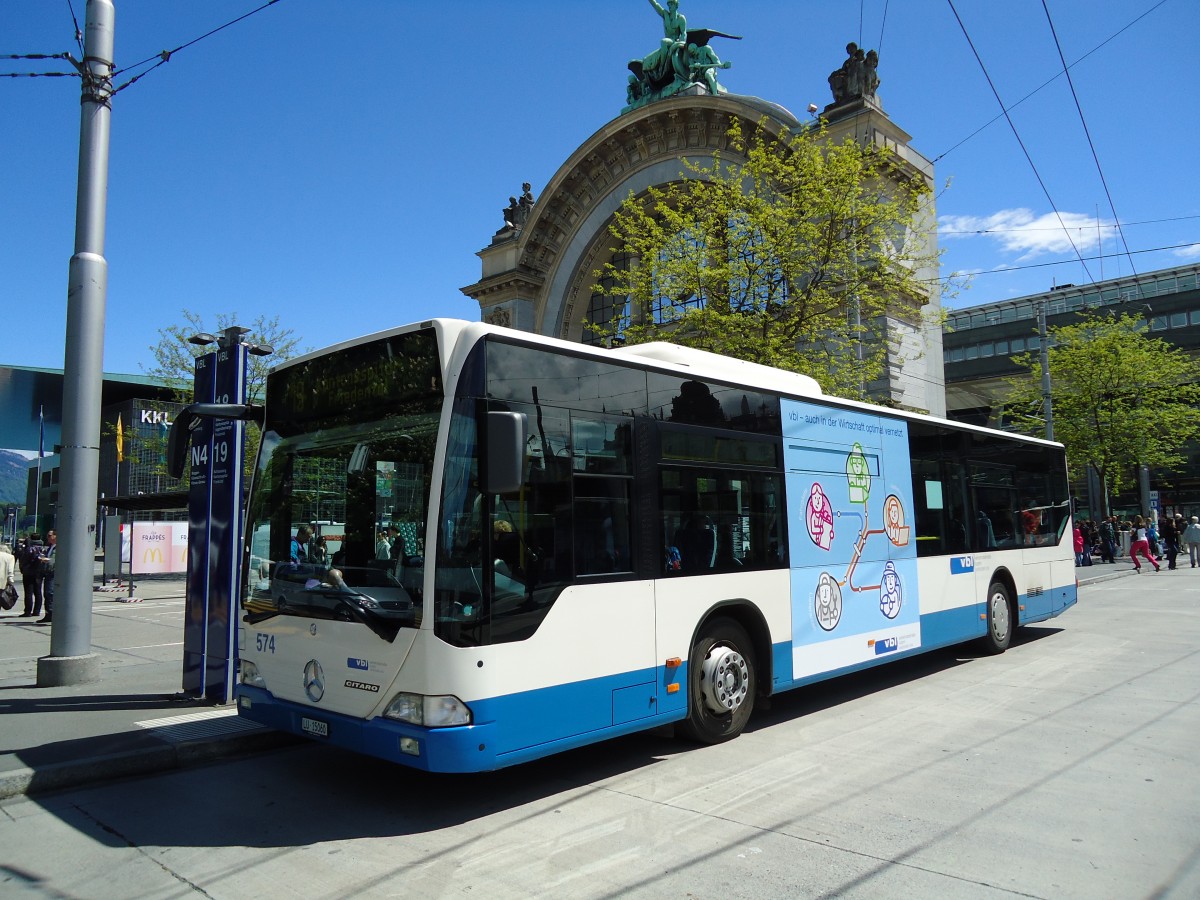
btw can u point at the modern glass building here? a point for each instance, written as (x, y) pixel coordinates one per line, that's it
(980, 343)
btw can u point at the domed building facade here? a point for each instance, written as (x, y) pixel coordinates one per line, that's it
(539, 270)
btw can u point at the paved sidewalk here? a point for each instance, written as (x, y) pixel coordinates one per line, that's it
(132, 721)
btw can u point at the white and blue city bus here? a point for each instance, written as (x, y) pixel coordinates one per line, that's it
(547, 544)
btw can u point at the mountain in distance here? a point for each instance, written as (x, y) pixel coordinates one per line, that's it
(14, 478)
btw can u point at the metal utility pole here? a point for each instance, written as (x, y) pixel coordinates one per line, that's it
(71, 660)
(1047, 406)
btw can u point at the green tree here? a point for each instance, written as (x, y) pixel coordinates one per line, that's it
(788, 253)
(175, 361)
(1120, 399)
(175, 357)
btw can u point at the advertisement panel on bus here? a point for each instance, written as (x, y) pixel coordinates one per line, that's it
(853, 552)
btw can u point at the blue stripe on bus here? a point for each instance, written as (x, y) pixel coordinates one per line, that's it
(1048, 604)
(941, 629)
(517, 728)
(509, 729)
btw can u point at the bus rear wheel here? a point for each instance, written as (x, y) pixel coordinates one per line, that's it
(1000, 618)
(721, 683)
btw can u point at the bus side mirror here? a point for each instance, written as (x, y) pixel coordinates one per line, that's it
(507, 433)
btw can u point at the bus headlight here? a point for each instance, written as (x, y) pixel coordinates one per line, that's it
(440, 711)
(250, 675)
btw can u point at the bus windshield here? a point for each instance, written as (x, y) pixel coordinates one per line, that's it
(336, 521)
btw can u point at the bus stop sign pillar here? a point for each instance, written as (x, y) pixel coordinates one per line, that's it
(196, 596)
(215, 526)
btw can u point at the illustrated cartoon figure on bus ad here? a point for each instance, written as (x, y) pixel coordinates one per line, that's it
(853, 556)
(858, 479)
(820, 519)
(891, 594)
(828, 602)
(893, 514)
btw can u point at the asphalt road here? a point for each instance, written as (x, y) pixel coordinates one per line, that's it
(1064, 768)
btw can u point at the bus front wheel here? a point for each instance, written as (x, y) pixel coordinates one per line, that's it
(1000, 618)
(721, 683)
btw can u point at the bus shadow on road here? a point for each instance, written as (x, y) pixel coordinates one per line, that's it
(856, 685)
(346, 796)
(306, 794)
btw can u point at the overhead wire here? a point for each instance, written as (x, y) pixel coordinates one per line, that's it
(1088, 134)
(1061, 262)
(1049, 81)
(1008, 230)
(164, 56)
(78, 32)
(39, 56)
(1017, 135)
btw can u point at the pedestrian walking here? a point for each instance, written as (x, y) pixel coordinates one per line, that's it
(1108, 540)
(1191, 540)
(30, 563)
(1170, 541)
(1180, 527)
(8, 572)
(47, 575)
(1140, 542)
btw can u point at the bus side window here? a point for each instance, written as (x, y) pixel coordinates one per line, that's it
(719, 520)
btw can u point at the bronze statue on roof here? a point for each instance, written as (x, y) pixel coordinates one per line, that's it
(682, 59)
(857, 77)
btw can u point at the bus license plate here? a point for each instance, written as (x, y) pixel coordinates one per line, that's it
(314, 727)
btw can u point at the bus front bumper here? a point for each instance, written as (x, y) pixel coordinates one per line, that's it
(466, 748)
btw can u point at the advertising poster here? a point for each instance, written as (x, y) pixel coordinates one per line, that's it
(158, 547)
(852, 545)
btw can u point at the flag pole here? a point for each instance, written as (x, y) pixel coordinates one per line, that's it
(37, 487)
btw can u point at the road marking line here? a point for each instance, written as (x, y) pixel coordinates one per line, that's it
(147, 647)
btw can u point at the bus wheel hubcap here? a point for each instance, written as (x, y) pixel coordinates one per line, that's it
(724, 679)
(999, 616)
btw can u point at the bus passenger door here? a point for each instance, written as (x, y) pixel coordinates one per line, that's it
(607, 553)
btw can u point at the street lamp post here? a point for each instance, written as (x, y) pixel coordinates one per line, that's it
(71, 660)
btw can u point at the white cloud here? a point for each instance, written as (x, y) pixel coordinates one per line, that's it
(1023, 232)
(1192, 251)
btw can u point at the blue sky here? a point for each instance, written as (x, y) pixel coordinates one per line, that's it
(339, 164)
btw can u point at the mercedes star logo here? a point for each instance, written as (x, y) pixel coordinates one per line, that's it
(314, 681)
